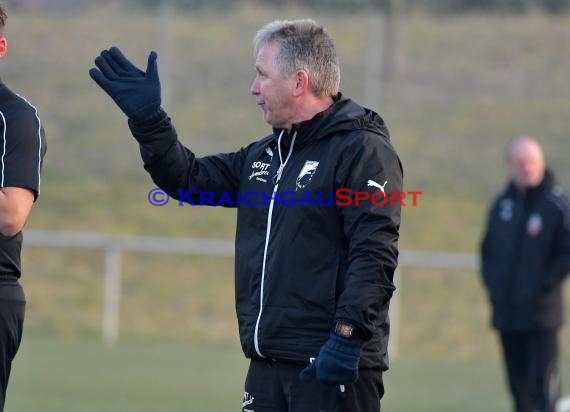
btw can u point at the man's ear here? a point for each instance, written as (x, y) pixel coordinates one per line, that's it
(3, 46)
(301, 83)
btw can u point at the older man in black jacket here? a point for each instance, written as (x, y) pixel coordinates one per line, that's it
(314, 278)
(525, 257)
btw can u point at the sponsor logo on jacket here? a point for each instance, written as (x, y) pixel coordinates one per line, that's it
(260, 169)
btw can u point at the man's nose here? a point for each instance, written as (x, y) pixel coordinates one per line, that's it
(254, 89)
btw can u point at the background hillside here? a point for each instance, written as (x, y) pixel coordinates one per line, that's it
(460, 87)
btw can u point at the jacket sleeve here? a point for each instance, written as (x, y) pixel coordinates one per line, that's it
(485, 248)
(371, 231)
(22, 148)
(176, 169)
(559, 264)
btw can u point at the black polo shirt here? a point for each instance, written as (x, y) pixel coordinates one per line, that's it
(22, 148)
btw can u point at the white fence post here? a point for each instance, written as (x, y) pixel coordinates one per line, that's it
(111, 297)
(114, 245)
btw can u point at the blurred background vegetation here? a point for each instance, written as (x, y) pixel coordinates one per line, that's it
(455, 80)
(448, 6)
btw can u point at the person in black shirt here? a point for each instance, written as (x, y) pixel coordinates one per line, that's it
(22, 147)
(525, 256)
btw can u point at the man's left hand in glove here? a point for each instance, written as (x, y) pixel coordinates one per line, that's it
(337, 362)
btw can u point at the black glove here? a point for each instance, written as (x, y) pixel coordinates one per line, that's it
(337, 363)
(137, 93)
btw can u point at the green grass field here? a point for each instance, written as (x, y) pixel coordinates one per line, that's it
(463, 87)
(71, 376)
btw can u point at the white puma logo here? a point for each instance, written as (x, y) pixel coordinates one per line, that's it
(269, 152)
(374, 184)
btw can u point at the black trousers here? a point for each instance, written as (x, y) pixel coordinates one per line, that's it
(12, 310)
(531, 361)
(273, 386)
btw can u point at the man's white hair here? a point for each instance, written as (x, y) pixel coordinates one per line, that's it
(304, 44)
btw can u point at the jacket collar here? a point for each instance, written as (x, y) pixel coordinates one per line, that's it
(343, 115)
(308, 128)
(532, 193)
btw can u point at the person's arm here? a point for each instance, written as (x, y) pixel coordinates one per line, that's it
(559, 263)
(172, 166)
(372, 233)
(22, 148)
(177, 170)
(15, 205)
(485, 252)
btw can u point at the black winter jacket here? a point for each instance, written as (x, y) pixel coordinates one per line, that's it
(301, 267)
(525, 256)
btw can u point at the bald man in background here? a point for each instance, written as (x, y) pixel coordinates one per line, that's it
(525, 255)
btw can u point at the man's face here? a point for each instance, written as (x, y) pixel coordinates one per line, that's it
(526, 164)
(273, 91)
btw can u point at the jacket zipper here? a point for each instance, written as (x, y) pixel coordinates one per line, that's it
(268, 233)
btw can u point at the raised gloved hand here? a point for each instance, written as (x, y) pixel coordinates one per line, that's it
(337, 362)
(137, 93)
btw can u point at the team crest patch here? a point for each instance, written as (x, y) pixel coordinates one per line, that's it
(506, 212)
(534, 224)
(306, 174)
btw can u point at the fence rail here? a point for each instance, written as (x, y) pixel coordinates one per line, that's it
(115, 245)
